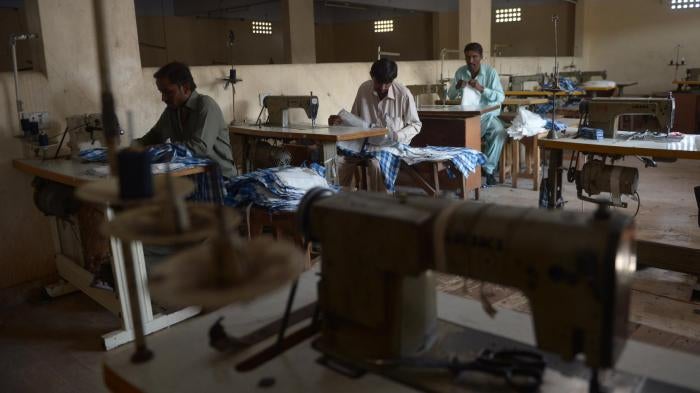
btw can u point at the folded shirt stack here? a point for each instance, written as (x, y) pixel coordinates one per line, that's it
(275, 189)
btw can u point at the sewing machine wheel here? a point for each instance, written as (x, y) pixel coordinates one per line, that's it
(196, 277)
(106, 191)
(145, 224)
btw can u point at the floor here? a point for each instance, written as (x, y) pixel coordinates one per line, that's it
(54, 345)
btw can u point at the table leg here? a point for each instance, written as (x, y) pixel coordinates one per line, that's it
(536, 164)
(554, 198)
(515, 163)
(328, 157)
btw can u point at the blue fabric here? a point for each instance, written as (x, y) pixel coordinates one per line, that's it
(564, 84)
(558, 125)
(465, 160)
(275, 189)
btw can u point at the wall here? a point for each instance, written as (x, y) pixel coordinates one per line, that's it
(533, 36)
(13, 20)
(71, 86)
(635, 39)
(445, 32)
(204, 41)
(357, 41)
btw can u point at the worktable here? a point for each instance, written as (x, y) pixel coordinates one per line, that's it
(327, 138)
(450, 125)
(541, 93)
(74, 173)
(664, 256)
(508, 101)
(184, 362)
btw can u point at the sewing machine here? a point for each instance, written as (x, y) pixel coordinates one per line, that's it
(85, 132)
(278, 108)
(517, 82)
(437, 88)
(605, 113)
(378, 300)
(584, 76)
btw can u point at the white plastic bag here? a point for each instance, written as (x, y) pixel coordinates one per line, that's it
(526, 123)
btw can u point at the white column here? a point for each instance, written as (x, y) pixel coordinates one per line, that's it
(475, 23)
(299, 31)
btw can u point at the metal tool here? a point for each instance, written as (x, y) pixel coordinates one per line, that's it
(605, 113)
(278, 108)
(378, 301)
(522, 370)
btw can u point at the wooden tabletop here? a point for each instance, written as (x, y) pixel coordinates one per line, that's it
(688, 147)
(540, 93)
(507, 101)
(456, 111)
(599, 88)
(318, 133)
(73, 173)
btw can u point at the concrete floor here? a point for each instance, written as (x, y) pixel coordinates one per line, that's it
(54, 345)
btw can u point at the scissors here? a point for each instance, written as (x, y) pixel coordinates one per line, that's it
(522, 370)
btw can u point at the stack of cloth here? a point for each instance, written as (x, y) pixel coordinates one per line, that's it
(176, 155)
(558, 125)
(465, 160)
(565, 84)
(275, 189)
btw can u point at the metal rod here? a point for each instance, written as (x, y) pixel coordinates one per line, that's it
(552, 134)
(287, 312)
(142, 353)
(15, 71)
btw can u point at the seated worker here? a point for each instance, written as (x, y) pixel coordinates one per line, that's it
(190, 118)
(484, 79)
(382, 103)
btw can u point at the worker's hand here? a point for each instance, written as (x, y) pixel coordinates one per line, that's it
(476, 85)
(334, 120)
(460, 84)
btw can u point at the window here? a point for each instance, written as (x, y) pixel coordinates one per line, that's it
(383, 26)
(505, 15)
(262, 27)
(684, 4)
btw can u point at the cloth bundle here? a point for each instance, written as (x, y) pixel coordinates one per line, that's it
(177, 155)
(465, 160)
(525, 124)
(275, 189)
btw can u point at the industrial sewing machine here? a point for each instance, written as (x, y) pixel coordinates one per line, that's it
(584, 76)
(85, 132)
(278, 108)
(517, 82)
(378, 300)
(437, 88)
(604, 113)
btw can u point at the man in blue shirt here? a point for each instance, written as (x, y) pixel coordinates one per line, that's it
(484, 79)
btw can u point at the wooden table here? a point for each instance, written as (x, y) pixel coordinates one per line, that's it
(682, 259)
(73, 173)
(326, 137)
(690, 84)
(184, 362)
(508, 101)
(450, 125)
(540, 93)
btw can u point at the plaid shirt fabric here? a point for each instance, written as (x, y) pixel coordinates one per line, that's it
(465, 160)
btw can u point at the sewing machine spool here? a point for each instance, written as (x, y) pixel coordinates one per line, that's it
(106, 191)
(240, 272)
(145, 224)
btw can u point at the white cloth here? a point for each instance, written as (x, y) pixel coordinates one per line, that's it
(470, 96)
(526, 123)
(397, 112)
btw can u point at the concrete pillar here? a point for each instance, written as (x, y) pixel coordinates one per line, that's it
(445, 32)
(475, 23)
(299, 31)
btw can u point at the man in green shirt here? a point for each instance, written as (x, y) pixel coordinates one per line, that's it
(190, 118)
(484, 79)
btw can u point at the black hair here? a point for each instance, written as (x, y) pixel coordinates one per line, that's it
(475, 47)
(384, 71)
(177, 73)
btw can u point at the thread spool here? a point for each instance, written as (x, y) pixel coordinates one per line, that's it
(43, 139)
(135, 177)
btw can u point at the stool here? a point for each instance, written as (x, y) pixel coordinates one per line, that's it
(283, 225)
(532, 160)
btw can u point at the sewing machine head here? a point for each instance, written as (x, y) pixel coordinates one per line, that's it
(85, 132)
(378, 294)
(417, 90)
(692, 74)
(604, 113)
(517, 82)
(278, 108)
